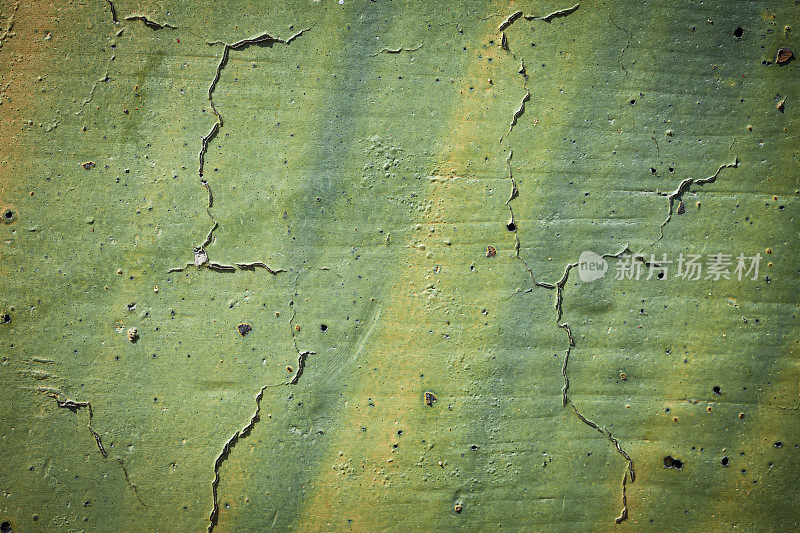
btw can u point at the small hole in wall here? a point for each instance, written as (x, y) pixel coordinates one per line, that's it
(511, 226)
(725, 461)
(5, 527)
(5, 318)
(671, 462)
(738, 32)
(323, 327)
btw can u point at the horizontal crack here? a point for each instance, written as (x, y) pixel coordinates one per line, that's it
(397, 50)
(509, 20)
(149, 23)
(684, 187)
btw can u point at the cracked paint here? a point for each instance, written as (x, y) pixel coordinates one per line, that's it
(374, 187)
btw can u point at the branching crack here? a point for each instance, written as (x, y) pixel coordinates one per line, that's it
(684, 187)
(560, 284)
(200, 256)
(263, 39)
(629, 474)
(102, 79)
(74, 406)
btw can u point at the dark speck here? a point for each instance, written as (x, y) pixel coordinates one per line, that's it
(671, 462)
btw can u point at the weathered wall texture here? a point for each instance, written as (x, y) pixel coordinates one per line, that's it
(332, 175)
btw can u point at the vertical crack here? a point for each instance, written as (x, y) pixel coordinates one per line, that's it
(114, 18)
(74, 406)
(128, 479)
(629, 473)
(105, 78)
(6, 31)
(566, 400)
(242, 433)
(627, 42)
(512, 224)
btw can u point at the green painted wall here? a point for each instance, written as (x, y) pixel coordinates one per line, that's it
(366, 155)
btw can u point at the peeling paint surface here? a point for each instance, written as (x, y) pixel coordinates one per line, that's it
(320, 266)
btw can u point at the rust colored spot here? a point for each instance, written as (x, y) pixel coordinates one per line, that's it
(430, 398)
(491, 251)
(88, 165)
(133, 334)
(623, 376)
(244, 328)
(784, 56)
(741, 416)
(458, 507)
(681, 208)
(297, 327)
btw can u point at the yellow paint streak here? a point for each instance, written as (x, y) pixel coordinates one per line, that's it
(355, 480)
